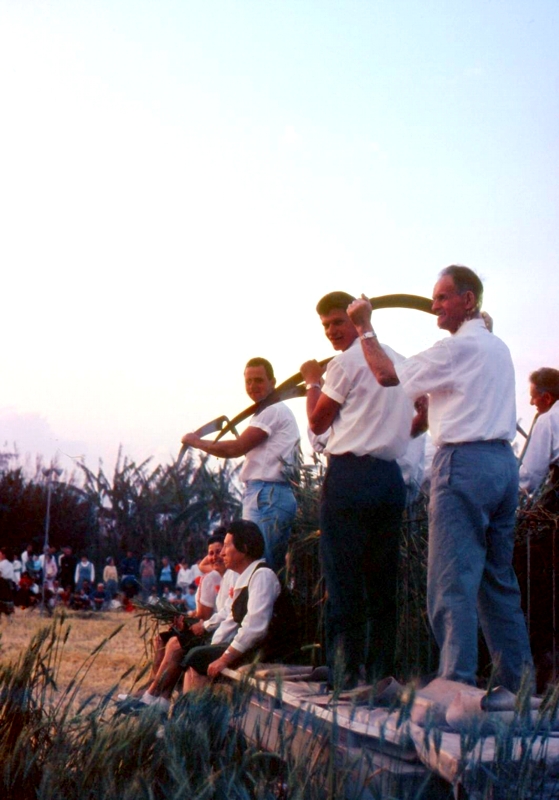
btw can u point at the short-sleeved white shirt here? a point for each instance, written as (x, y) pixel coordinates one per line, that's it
(266, 461)
(208, 589)
(543, 450)
(224, 600)
(6, 570)
(470, 381)
(372, 420)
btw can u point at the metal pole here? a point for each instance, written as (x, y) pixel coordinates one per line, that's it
(48, 474)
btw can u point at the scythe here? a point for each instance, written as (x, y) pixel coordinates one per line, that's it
(295, 386)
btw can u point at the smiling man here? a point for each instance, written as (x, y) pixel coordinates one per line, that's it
(270, 445)
(363, 497)
(469, 378)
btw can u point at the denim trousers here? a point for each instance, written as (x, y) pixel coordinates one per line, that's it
(360, 515)
(471, 581)
(272, 506)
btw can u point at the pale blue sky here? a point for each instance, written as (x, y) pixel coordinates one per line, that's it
(181, 181)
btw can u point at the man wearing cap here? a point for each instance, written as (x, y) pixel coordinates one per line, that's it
(469, 377)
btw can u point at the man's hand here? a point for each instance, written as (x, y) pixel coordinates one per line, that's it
(359, 312)
(312, 372)
(216, 667)
(178, 622)
(420, 422)
(198, 628)
(488, 320)
(191, 439)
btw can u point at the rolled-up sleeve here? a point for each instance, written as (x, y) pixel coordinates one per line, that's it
(427, 371)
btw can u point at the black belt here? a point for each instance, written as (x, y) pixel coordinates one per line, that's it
(477, 441)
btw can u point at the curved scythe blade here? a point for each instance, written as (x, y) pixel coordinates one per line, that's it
(295, 387)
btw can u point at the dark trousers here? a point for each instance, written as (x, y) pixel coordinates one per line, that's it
(360, 515)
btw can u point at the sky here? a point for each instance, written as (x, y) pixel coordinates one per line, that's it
(182, 181)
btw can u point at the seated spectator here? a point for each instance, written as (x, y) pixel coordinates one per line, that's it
(17, 565)
(81, 599)
(212, 570)
(29, 592)
(99, 597)
(34, 567)
(190, 597)
(177, 599)
(170, 646)
(245, 626)
(153, 598)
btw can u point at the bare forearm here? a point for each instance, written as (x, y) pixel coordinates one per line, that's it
(220, 449)
(379, 363)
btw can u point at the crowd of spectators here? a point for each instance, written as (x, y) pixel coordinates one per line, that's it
(47, 577)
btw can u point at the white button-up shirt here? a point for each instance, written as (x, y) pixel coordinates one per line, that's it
(543, 450)
(470, 381)
(372, 420)
(267, 461)
(224, 600)
(263, 591)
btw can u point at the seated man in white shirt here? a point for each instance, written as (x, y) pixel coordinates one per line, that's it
(542, 452)
(246, 618)
(171, 645)
(270, 444)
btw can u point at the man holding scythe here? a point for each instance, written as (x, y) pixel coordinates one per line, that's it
(469, 378)
(363, 497)
(269, 443)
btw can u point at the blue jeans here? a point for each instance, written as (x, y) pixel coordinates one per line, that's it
(272, 506)
(474, 493)
(360, 516)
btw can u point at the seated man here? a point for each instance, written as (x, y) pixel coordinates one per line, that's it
(245, 625)
(171, 645)
(542, 451)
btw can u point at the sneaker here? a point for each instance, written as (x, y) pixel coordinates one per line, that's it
(131, 705)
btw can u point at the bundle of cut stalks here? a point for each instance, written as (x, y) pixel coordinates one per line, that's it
(162, 611)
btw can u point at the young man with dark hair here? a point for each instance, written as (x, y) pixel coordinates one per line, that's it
(469, 377)
(270, 445)
(363, 497)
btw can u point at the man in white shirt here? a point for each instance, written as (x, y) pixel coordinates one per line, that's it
(474, 486)
(543, 448)
(245, 621)
(170, 646)
(270, 444)
(363, 497)
(6, 566)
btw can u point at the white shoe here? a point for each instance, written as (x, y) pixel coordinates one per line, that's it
(122, 697)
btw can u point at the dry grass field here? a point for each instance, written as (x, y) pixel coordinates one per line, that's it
(126, 650)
